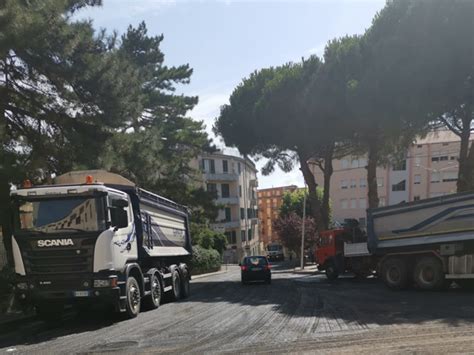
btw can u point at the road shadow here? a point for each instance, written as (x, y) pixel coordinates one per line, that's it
(352, 300)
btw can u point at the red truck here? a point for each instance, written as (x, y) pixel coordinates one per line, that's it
(426, 243)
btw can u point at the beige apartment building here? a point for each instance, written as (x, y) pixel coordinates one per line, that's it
(234, 180)
(430, 169)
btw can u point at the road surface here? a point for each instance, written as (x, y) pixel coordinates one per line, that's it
(296, 313)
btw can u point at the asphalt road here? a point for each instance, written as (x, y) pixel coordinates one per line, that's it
(296, 313)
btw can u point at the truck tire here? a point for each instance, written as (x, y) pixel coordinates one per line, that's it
(185, 286)
(153, 300)
(395, 273)
(332, 272)
(428, 274)
(176, 285)
(133, 300)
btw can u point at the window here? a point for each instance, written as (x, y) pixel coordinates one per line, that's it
(242, 213)
(211, 187)
(445, 144)
(417, 179)
(435, 157)
(362, 203)
(231, 237)
(240, 191)
(344, 164)
(362, 222)
(225, 166)
(228, 215)
(353, 203)
(399, 187)
(400, 166)
(379, 182)
(443, 158)
(355, 163)
(225, 190)
(363, 182)
(212, 166)
(450, 176)
(435, 177)
(250, 234)
(417, 161)
(343, 184)
(416, 198)
(353, 183)
(453, 157)
(381, 201)
(238, 168)
(344, 204)
(242, 236)
(362, 162)
(419, 146)
(203, 165)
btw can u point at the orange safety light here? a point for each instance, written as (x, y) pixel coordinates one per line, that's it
(89, 179)
(27, 184)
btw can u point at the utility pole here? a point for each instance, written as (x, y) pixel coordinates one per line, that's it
(302, 228)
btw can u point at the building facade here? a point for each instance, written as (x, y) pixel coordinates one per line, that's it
(430, 169)
(269, 202)
(234, 181)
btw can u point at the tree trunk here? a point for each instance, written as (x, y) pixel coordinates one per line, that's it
(314, 201)
(372, 193)
(466, 156)
(328, 170)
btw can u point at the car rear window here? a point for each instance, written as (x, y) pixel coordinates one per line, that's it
(256, 261)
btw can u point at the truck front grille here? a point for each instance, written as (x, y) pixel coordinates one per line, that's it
(78, 258)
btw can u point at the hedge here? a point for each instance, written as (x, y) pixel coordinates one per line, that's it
(205, 260)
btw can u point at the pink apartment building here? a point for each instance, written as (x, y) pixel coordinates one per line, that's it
(429, 170)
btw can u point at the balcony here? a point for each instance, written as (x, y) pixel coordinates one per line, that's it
(221, 176)
(231, 200)
(226, 225)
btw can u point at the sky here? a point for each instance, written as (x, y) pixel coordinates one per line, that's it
(225, 40)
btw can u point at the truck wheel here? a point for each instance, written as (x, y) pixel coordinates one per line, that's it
(395, 273)
(185, 286)
(176, 284)
(332, 272)
(428, 274)
(153, 300)
(133, 294)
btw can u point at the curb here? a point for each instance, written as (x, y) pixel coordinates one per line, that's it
(206, 275)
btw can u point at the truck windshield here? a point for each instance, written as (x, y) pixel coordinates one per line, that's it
(274, 248)
(51, 215)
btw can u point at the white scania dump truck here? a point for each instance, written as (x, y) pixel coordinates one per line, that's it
(94, 237)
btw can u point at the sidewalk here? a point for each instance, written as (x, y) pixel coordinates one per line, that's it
(308, 269)
(224, 268)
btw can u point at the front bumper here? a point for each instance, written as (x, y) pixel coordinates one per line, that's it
(67, 289)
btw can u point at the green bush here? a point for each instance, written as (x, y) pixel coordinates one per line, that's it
(205, 260)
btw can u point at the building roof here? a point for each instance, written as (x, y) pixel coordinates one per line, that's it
(278, 187)
(440, 136)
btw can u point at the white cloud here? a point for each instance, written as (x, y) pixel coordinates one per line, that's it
(318, 50)
(208, 107)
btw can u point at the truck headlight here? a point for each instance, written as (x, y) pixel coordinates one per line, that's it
(111, 282)
(22, 285)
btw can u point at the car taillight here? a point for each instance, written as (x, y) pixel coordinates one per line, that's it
(268, 267)
(243, 268)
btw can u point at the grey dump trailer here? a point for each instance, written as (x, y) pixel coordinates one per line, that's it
(94, 237)
(426, 244)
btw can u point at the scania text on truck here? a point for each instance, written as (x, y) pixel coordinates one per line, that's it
(94, 237)
(426, 243)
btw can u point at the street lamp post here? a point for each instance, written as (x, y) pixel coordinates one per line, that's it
(302, 229)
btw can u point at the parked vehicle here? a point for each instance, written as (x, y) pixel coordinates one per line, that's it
(275, 252)
(95, 237)
(427, 243)
(255, 268)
